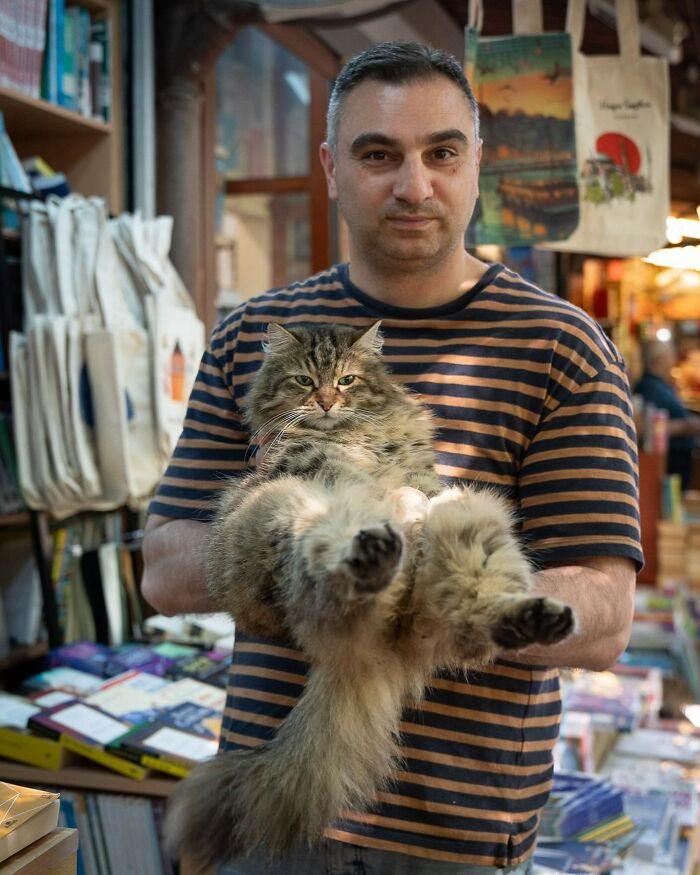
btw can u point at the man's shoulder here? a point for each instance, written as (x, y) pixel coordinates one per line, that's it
(558, 319)
(278, 303)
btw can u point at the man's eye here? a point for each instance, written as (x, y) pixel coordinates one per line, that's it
(443, 154)
(346, 380)
(304, 380)
(376, 156)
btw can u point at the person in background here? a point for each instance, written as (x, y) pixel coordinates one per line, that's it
(529, 398)
(656, 386)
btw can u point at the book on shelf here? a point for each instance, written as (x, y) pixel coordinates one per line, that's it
(85, 656)
(87, 731)
(22, 38)
(69, 680)
(118, 832)
(16, 740)
(26, 815)
(130, 696)
(173, 743)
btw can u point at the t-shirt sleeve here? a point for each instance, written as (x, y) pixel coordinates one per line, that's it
(212, 446)
(579, 480)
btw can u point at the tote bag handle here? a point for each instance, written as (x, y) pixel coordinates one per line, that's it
(527, 16)
(626, 19)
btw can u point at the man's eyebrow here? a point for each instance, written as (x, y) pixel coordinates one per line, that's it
(371, 138)
(448, 134)
(375, 138)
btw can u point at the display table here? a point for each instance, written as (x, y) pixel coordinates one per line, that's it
(54, 854)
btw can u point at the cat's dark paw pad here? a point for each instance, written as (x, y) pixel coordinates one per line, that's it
(534, 620)
(374, 558)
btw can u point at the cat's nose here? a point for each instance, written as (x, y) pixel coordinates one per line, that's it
(325, 404)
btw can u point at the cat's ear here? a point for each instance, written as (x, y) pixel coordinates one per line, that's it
(278, 338)
(370, 340)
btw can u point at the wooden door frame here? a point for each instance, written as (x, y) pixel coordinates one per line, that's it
(323, 67)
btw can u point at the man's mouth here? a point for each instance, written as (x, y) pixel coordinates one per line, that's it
(411, 221)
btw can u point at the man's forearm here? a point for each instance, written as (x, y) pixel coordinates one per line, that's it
(603, 602)
(174, 554)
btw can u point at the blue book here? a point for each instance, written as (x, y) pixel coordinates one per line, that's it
(577, 858)
(52, 72)
(85, 656)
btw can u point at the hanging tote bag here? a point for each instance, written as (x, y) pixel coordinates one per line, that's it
(527, 184)
(622, 142)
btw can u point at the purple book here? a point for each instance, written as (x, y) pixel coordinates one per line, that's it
(82, 655)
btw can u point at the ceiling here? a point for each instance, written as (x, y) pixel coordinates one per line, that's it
(442, 22)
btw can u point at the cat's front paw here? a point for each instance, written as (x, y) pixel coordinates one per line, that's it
(533, 620)
(374, 557)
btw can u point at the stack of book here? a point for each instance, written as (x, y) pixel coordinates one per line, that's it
(130, 724)
(25, 816)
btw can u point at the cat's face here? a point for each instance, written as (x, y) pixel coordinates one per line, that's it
(320, 377)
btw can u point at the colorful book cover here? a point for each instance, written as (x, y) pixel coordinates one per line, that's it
(129, 696)
(69, 680)
(162, 741)
(191, 690)
(86, 656)
(87, 731)
(137, 657)
(202, 667)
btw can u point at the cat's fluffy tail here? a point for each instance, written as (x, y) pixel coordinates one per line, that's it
(331, 753)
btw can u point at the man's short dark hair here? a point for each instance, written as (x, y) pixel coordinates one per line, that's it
(396, 63)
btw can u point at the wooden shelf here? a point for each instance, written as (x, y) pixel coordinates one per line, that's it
(55, 852)
(85, 776)
(23, 654)
(30, 117)
(13, 519)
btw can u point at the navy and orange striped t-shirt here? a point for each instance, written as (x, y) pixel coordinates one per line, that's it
(529, 396)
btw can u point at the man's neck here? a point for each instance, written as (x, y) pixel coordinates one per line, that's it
(430, 287)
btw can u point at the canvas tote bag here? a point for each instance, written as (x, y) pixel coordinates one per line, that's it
(528, 189)
(622, 142)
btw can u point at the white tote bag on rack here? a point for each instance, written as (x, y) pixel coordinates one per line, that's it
(621, 105)
(120, 368)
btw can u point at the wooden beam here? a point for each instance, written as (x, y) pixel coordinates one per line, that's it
(308, 48)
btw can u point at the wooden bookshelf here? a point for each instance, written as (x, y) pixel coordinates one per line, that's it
(13, 519)
(83, 775)
(87, 150)
(54, 854)
(23, 654)
(31, 117)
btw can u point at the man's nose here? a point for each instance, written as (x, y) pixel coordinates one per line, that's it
(413, 183)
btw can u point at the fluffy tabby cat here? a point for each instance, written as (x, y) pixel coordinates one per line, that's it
(345, 541)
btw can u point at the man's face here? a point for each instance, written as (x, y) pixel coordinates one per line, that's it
(405, 171)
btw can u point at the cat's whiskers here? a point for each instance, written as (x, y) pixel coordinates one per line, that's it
(271, 426)
(281, 433)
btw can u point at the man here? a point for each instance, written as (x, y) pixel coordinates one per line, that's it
(529, 397)
(656, 386)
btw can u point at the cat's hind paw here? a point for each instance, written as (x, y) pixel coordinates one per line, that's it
(533, 620)
(374, 558)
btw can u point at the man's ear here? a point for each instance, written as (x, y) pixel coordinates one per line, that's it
(328, 164)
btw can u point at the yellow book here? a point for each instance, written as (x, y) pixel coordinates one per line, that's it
(20, 745)
(165, 766)
(110, 760)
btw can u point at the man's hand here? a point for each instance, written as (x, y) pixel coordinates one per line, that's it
(600, 590)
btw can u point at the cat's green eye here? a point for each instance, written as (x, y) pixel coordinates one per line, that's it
(346, 380)
(304, 380)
